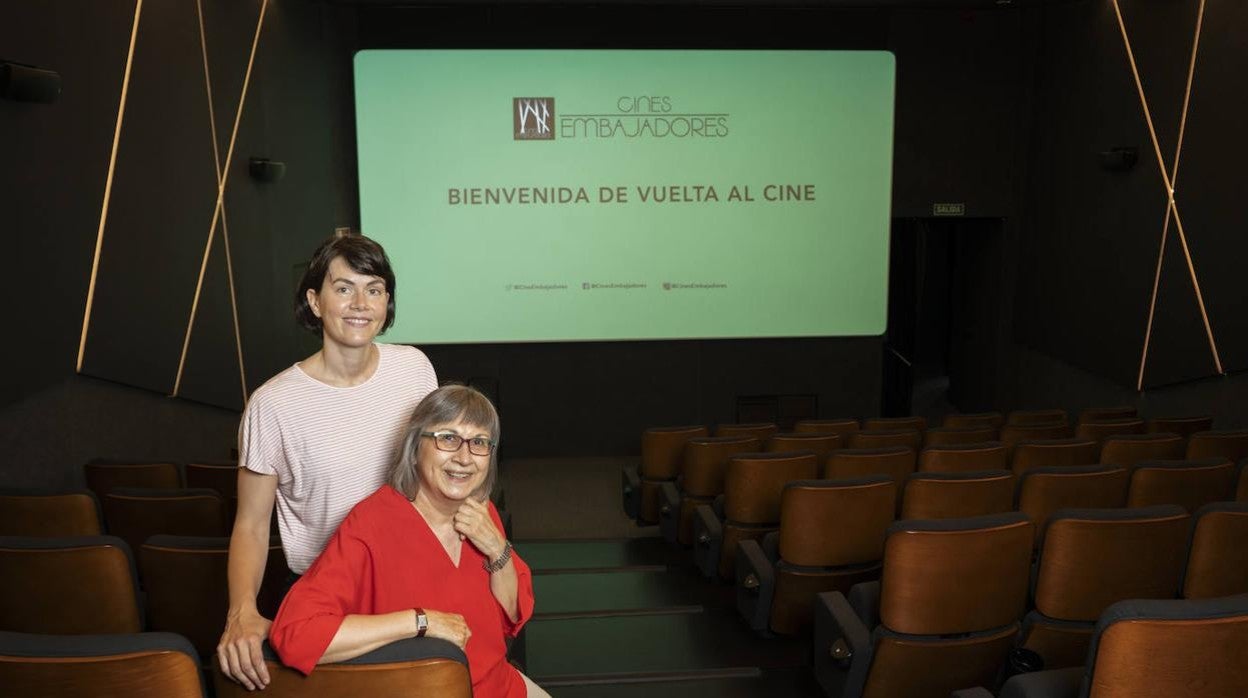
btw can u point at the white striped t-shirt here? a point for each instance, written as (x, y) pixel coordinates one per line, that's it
(329, 447)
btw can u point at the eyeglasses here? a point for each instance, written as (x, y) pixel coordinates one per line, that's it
(450, 441)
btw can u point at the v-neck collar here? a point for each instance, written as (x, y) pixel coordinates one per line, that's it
(411, 505)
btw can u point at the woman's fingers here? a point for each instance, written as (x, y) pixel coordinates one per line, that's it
(450, 627)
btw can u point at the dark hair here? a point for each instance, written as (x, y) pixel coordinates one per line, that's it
(363, 255)
(446, 404)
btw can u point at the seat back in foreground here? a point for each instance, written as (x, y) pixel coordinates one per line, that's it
(139, 665)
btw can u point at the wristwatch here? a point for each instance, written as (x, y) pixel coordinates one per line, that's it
(422, 622)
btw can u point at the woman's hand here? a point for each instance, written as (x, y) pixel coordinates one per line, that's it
(239, 651)
(473, 523)
(448, 626)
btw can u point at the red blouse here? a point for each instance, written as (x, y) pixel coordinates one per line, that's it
(385, 558)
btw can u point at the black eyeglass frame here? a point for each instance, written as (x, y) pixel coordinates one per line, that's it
(460, 441)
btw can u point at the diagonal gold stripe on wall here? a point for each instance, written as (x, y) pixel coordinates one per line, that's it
(1172, 208)
(108, 185)
(225, 228)
(1174, 180)
(216, 213)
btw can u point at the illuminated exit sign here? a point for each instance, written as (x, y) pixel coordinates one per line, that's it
(948, 209)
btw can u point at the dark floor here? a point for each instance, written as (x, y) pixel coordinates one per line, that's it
(631, 617)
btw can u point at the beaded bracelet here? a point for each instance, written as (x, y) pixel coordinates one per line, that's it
(500, 562)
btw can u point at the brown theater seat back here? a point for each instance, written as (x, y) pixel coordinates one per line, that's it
(1171, 648)
(103, 476)
(963, 458)
(918, 424)
(1241, 490)
(1013, 434)
(188, 591)
(944, 436)
(662, 448)
(848, 464)
(908, 438)
(1043, 491)
(706, 462)
(1217, 562)
(1183, 426)
(1024, 418)
(135, 514)
(826, 523)
(844, 427)
(1094, 557)
(1053, 453)
(1189, 484)
(822, 445)
(975, 420)
(755, 482)
(47, 514)
(957, 495)
(955, 575)
(1099, 431)
(919, 667)
(147, 665)
(67, 586)
(1212, 444)
(1131, 449)
(1107, 414)
(759, 430)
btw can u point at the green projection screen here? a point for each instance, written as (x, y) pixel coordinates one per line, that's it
(608, 195)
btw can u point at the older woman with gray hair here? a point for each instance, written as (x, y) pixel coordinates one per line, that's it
(424, 555)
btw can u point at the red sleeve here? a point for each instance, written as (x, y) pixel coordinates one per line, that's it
(524, 587)
(338, 584)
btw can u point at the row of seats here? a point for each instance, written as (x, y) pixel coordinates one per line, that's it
(952, 602)
(164, 665)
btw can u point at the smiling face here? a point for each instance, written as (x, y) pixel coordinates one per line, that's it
(452, 475)
(350, 305)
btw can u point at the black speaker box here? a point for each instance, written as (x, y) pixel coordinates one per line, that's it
(25, 83)
(265, 170)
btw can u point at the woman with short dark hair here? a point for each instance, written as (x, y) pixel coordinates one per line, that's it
(320, 436)
(425, 555)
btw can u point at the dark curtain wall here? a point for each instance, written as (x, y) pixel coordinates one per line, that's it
(1090, 246)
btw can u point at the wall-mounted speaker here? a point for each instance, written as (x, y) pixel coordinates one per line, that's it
(26, 83)
(266, 170)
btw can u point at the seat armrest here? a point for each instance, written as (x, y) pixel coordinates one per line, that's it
(864, 598)
(631, 488)
(708, 534)
(718, 506)
(842, 647)
(669, 512)
(771, 547)
(756, 585)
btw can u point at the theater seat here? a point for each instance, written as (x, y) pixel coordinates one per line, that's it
(49, 513)
(831, 537)
(68, 586)
(661, 451)
(1226, 444)
(188, 591)
(963, 458)
(916, 423)
(422, 666)
(1036, 417)
(103, 475)
(222, 477)
(844, 427)
(758, 430)
(1171, 648)
(1099, 431)
(957, 495)
(1106, 414)
(135, 514)
(974, 420)
(1217, 559)
(1014, 434)
(1190, 484)
(943, 617)
(1129, 449)
(1053, 453)
(885, 438)
(139, 665)
(750, 507)
(704, 465)
(1183, 426)
(1092, 558)
(822, 445)
(1043, 491)
(944, 436)
(897, 462)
